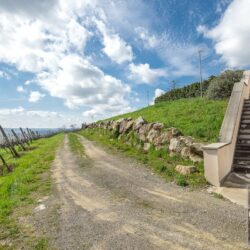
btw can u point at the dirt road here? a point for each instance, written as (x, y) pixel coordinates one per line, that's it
(110, 202)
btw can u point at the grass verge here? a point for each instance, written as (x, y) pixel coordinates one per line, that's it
(158, 160)
(18, 187)
(75, 145)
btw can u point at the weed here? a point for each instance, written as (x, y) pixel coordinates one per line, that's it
(158, 160)
(75, 145)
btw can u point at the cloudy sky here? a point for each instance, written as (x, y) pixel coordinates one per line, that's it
(65, 62)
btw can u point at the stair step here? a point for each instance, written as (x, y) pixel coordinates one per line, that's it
(245, 121)
(245, 117)
(244, 126)
(242, 151)
(243, 144)
(245, 112)
(242, 170)
(244, 137)
(244, 131)
(242, 158)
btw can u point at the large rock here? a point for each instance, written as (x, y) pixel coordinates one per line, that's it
(152, 135)
(185, 152)
(122, 126)
(196, 148)
(185, 170)
(187, 140)
(128, 126)
(158, 126)
(176, 145)
(138, 123)
(174, 132)
(143, 131)
(163, 139)
(146, 146)
(195, 158)
(115, 126)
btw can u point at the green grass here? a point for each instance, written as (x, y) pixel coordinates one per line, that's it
(158, 160)
(19, 188)
(200, 118)
(75, 145)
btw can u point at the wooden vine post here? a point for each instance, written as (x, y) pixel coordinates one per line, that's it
(9, 144)
(18, 139)
(30, 137)
(5, 164)
(24, 136)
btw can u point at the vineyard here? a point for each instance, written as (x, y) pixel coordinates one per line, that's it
(15, 141)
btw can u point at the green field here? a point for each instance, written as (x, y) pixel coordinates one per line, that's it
(200, 118)
(23, 186)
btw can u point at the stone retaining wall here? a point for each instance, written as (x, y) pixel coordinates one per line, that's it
(154, 134)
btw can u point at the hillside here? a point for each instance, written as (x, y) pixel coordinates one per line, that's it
(200, 118)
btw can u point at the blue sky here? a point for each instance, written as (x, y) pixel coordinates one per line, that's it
(67, 62)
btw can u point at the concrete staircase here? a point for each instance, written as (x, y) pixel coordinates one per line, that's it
(241, 163)
(240, 175)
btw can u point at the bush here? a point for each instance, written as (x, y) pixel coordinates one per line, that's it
(189, 91)
(221, 87)
(215, 87)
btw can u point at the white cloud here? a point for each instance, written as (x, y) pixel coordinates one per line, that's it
(82, 84)
(20, 89)
(55, 52)
(5, 75)
(32, 118)
(35, 96)
(104, 111)
(202, 29)
(142, 73)
(149, 40)
(158, 92)
(13, 111)
(231, 35)
(114, 47)
(52, 36)
(179, 57)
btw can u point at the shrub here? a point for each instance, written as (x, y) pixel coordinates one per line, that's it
(215, 87)
(189, 91)
(221, 87)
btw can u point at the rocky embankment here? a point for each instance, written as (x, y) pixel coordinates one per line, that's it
(154, 134)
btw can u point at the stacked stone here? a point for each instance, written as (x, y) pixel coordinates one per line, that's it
(155, 134)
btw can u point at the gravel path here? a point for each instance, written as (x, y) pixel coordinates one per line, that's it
(107, 201)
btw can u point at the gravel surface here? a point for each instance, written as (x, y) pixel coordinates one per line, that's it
(107, 201)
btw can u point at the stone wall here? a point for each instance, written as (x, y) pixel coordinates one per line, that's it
(155, 134)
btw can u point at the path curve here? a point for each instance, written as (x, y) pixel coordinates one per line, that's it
(110, 202)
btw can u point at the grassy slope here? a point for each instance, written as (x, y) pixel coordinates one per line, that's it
(17, 188)
(200, 118)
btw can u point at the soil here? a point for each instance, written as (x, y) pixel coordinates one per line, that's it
(108, 201)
